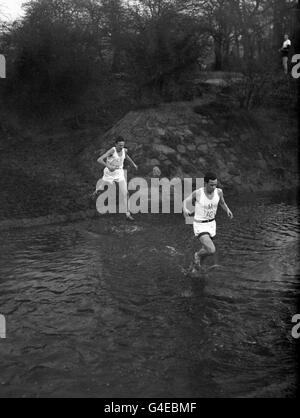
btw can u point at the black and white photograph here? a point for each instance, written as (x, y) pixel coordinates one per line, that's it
(149, 221)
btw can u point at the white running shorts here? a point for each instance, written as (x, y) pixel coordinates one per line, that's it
(112, 176)
(205, 228)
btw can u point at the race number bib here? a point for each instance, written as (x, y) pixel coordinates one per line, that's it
(209, 212)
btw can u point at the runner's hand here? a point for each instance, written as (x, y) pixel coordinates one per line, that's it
(94, 194)
(186, 212)
(111, 167)
(230, 214)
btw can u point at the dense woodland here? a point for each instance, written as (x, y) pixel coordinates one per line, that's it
(89, 59)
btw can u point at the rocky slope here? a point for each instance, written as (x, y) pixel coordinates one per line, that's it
(248, 151)
(53, 174)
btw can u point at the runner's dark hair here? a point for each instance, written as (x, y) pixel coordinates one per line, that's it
(119, 139)
(209, 176)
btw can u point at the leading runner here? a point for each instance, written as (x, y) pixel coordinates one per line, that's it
(205, 228)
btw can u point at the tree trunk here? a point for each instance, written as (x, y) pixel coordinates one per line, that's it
(218, 55)
(278, 28)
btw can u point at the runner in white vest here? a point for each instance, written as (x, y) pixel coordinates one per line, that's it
(113, 160)
(285, 49)
(205, 228)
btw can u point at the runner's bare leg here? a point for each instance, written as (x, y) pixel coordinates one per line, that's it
(124, 198)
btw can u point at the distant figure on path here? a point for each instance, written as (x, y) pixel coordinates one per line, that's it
(205, 228)
(113, 161)
(285, 49)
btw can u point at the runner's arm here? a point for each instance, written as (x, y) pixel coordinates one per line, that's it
(224, 205)
(130, 160)
(186, 211)
(282, 48)
(101, 160)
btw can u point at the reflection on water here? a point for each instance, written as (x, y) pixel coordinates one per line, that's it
(103, 308)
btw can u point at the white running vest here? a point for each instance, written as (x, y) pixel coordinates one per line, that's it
(115, 160)
(206, 209)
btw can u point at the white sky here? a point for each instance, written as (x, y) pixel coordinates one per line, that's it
(11, 9)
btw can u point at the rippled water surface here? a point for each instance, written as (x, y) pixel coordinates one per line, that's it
(104, 308)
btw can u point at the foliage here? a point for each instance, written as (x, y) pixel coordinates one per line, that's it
(87, 57)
